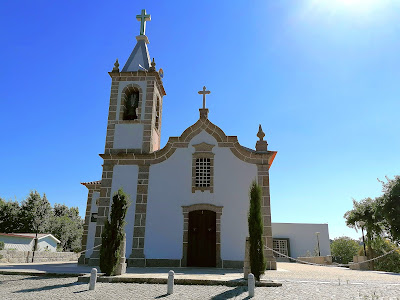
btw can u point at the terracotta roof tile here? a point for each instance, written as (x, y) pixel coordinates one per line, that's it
(91, 182)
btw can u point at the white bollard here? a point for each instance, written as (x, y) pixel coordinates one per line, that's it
(93, 279)
(251, 283)
(170, 283)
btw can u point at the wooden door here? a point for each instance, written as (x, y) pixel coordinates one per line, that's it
(202, 239)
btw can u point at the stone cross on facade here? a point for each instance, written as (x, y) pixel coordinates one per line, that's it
(204, 93)
(143, 18)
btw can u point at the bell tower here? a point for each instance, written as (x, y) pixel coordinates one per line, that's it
(134, 118)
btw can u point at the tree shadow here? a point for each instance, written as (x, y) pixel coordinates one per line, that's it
(28, 277)
(77, 292)
(50, 287)
(231, 293)
(161, 296)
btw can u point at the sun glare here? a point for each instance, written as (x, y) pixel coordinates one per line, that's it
(355, 6)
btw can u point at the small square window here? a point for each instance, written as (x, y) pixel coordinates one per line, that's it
(93, 217)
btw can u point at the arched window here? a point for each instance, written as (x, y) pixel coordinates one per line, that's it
(130, 103)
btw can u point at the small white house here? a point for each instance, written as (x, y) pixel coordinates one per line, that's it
(301, 239)
(25, 241)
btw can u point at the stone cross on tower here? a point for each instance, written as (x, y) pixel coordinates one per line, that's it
(204, 93)
(143, 18)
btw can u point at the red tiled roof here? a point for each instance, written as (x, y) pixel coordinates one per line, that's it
(29, 235)
(91, 182)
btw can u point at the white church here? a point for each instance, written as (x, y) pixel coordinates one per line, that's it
(189, 199)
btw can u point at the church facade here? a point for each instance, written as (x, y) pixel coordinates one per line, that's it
(189, 199)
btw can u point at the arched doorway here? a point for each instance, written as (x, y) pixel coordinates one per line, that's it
(201, 250)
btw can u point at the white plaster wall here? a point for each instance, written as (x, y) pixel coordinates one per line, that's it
(49, 242)
(122, 85)
(126, 177)
(128, 136)
(170, 188)
(233, 177)
(17, 243)
(302, 237)
(92, 225)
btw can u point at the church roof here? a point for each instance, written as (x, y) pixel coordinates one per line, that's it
(140, 57)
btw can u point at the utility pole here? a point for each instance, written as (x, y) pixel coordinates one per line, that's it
(319, 250)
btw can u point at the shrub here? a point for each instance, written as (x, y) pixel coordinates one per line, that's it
(390, 262)
(113, 234)
(257, 259)
(1, 245)
(343, 249)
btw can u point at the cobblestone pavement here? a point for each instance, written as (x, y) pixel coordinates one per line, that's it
(32, 287)
(301, 272)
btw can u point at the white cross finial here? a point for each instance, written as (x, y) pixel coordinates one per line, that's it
(204, 93)
(143, 18)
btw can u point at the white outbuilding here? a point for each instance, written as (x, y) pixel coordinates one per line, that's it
(25, 241)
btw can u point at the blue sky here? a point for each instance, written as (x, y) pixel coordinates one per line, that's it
(320, 76)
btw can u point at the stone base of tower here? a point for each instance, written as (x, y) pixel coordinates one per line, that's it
(94, 262)
(82, 260)
(271, 263)
(136, 262)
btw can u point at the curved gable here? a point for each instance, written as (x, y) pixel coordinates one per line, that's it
(243, 153)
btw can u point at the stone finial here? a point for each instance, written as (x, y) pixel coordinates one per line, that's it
(116, 66)
(260, 133)
(203, 113)
(261, 145)
(153, 65)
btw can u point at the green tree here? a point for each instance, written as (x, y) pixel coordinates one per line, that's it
(389, 207)
(365, 211)
(113, 234)
(67, 226)
(343, 249)
(35, 216)
(257, 259)
(35, 213)
(9, 216)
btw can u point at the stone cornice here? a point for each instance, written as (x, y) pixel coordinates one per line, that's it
(129, 76)
(203, 147)
(244, 154)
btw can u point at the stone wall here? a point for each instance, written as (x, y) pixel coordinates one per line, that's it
(13, 256)
(323, 260)
(359, 263)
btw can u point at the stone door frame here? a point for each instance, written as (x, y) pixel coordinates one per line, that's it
(203, 206)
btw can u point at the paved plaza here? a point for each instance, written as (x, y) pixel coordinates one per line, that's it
(299, 282)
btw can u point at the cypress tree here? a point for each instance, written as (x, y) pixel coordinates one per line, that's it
(113, 234)
(257, 259)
